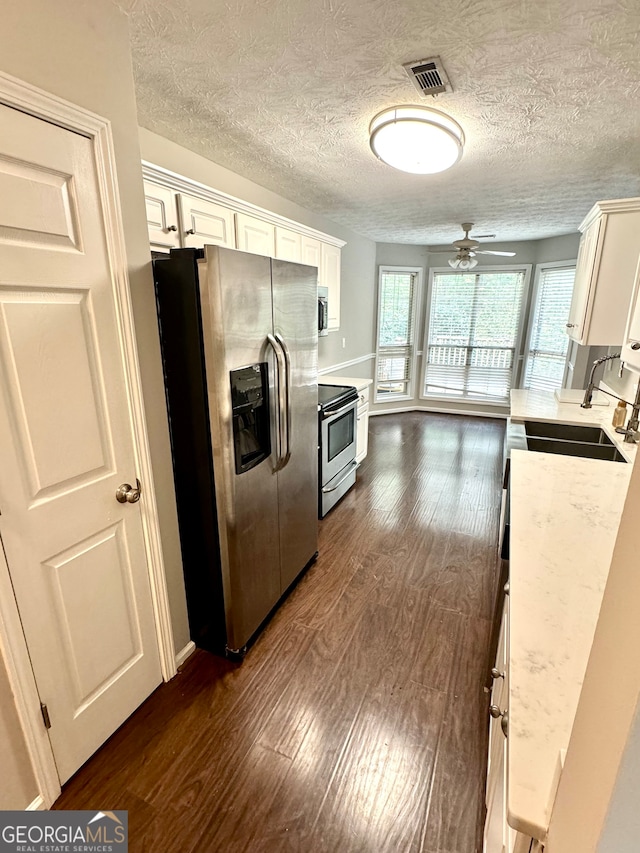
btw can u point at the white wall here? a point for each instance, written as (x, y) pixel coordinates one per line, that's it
(357, 307)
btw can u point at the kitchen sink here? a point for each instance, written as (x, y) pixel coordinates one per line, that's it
(571, 440)
(567, 432)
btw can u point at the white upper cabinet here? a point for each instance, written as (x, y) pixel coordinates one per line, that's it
(330, 277)
(255, 235)
(207, 216)
(605, 273)
(311, 249)
(205, 223)
(631, 348)
(288, 245)
(162, 217)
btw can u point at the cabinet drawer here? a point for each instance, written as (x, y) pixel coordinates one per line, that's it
(363, 397)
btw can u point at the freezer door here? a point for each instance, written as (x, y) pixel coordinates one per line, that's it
(295, 320)
(235, 293)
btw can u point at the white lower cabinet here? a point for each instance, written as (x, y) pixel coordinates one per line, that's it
(362, 431)
(499, 837)
(496, 830)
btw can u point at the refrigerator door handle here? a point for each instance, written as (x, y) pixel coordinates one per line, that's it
(280, 417)
(287, 418)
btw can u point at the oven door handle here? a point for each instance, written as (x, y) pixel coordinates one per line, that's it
(280, 415)
(344, 408)
(327, 489)
(287, 397)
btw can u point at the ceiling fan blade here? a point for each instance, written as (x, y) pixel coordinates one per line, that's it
(489, 252)
(482, 236)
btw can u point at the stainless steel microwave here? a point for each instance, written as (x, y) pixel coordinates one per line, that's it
(323, 310)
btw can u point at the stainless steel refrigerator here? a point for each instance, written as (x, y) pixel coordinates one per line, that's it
(239, 347)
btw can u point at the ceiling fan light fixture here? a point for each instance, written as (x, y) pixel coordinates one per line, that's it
(416, 139)
(463, 263)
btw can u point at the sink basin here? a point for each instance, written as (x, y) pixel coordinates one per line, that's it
(571, 440)
(584, 449)
(567, 432)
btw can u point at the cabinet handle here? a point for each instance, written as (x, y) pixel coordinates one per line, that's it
(495, 673)
(496, 713)
(172, 227)
(506, 588)
(571, 325)
(190, 231)
(635, 345)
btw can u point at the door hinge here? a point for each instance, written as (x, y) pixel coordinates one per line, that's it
(45, 715)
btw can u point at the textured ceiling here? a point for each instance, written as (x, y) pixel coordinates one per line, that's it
(282, 92)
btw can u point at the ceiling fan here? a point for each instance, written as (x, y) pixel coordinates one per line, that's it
(468, 248)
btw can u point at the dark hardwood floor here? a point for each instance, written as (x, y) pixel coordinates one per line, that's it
(358, 722)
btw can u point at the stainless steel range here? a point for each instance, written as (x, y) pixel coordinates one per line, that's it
(337, 406)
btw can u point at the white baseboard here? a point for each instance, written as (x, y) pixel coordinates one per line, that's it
(36, 806)
(474, 413)
(185, 653)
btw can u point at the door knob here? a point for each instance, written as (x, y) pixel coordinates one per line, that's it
(495, 673)
(126, 494)
(172, 227)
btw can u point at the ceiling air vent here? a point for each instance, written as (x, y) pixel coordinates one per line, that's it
(428, 76)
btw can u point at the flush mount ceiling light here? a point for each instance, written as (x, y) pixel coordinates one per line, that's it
(416, 139)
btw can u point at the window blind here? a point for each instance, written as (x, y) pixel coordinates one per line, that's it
(472, 334)
(548, 341)
(395, 349)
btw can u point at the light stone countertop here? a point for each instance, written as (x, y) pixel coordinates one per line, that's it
(543, 406)
(565, 513)
(358, 384)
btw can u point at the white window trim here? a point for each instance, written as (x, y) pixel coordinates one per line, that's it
(540, 268)
(416, 319)
(518, 352)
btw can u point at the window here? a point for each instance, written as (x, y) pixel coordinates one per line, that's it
(395, 352)
(472, 334)
(548, 342)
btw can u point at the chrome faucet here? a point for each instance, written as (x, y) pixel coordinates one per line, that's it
(588, 394)
(632, 431)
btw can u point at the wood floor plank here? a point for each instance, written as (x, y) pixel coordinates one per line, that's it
(358, 720)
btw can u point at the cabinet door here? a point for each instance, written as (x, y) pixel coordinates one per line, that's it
(205, 223)
(162, 217)
(311, 249)
(497, 834)
(584, 281)
(362, 432)
(330, 277)
(255, 236)
(288, 245)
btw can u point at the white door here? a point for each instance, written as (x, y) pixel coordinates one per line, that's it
(76, 556)
(205, 223)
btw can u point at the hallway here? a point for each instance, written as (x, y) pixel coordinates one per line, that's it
(358, 721)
